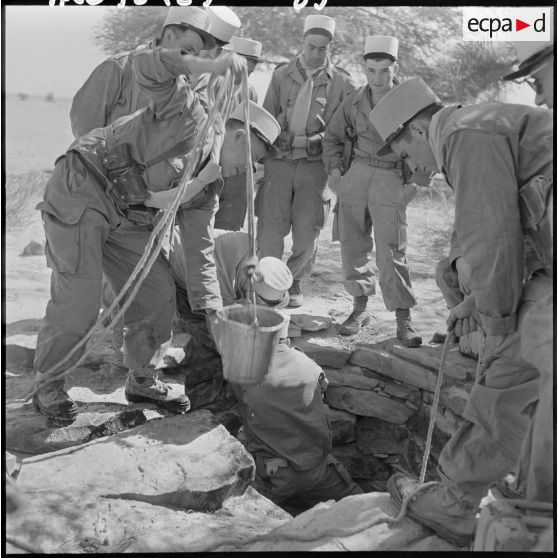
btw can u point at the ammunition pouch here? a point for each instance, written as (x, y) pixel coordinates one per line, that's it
(535, 198)
(314, 145)
(125, 175)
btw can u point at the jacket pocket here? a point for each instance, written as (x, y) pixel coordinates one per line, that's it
(61, 220)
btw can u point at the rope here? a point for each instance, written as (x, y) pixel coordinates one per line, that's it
(152, 249)
(428, 446)
(249, 185)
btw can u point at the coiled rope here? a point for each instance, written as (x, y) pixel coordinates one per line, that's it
(219, 104)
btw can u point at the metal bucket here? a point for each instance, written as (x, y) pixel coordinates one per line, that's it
(247, 349)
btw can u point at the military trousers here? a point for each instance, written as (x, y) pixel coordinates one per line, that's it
(327, 480)
(232, 204)
(489, 444)
(536, 466)
(294, 196)
(375, 198)
(85, 237)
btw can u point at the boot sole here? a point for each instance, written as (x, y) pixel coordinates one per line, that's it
(446, 534)
(363, 323)
(171, 406)
(55, 420)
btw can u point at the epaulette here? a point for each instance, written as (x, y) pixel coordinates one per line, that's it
(280, 65)
(342, 70)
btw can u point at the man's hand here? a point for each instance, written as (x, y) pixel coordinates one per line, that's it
(334, 179)
(251, 269)
(210, 173)
(284, 141)
(463, 318)
(229, 60)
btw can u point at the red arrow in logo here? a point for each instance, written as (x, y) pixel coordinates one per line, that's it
(519, 25)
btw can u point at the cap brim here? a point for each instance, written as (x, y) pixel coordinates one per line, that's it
(208, 39)
(526, 67)
(255, 131)
(517, 74)
(385, 149)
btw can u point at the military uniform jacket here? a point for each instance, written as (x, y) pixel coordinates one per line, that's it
(352, 115)
(331, 86)
(110, 92)
(173, 117)
(489, 153)
(284, 415)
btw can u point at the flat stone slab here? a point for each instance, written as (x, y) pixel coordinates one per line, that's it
(457, 366)
(308, 322)
(78, 521)
(184, 461)
(367, 403)
(323, 354)
(355, 523)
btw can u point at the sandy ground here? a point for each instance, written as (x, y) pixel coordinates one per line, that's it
(37, 131)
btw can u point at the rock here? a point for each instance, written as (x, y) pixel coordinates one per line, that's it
(12, 464)
(79, 521)
(34, 248)
(448, 422)
(355, 523)
(294, 330)
(367, 403)
(183, 461)
(342, 426)
(324, 355)
(429, 356)
(394, 367)
(307, 322)
(19, 356)
(379, 437)
(361, 466)
(418, 425)
(344, 378)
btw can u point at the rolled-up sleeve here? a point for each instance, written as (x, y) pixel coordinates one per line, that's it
(93, 103)
(160, 74)
(481, 168)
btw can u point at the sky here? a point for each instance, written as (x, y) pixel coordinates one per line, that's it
(50, 49)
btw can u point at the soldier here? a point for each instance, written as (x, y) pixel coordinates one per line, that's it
(286, 429)
(97, 218)
(372, 193)
(303, 95)
(536, 67)
(111, 90)
(499, 199)
(233, 201)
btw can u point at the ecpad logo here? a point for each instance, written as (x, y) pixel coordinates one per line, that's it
(506, 24)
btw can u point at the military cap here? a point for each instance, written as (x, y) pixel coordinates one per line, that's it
(529, 54)
(192, 18)
(319, 24)
(398, 107)
(381, 46)
(224, 22)
(245, 47)
(276, 280)
(262, 123)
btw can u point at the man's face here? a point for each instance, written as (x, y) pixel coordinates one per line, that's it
(183, 39)
(414, 147)
(315, 49)
(212, 53)
(233, 151)
(543, 84)
(379, 74)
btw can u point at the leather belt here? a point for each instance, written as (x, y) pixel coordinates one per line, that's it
(379, 163)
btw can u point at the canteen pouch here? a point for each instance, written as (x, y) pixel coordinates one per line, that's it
(125, 174)
(534, 202)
